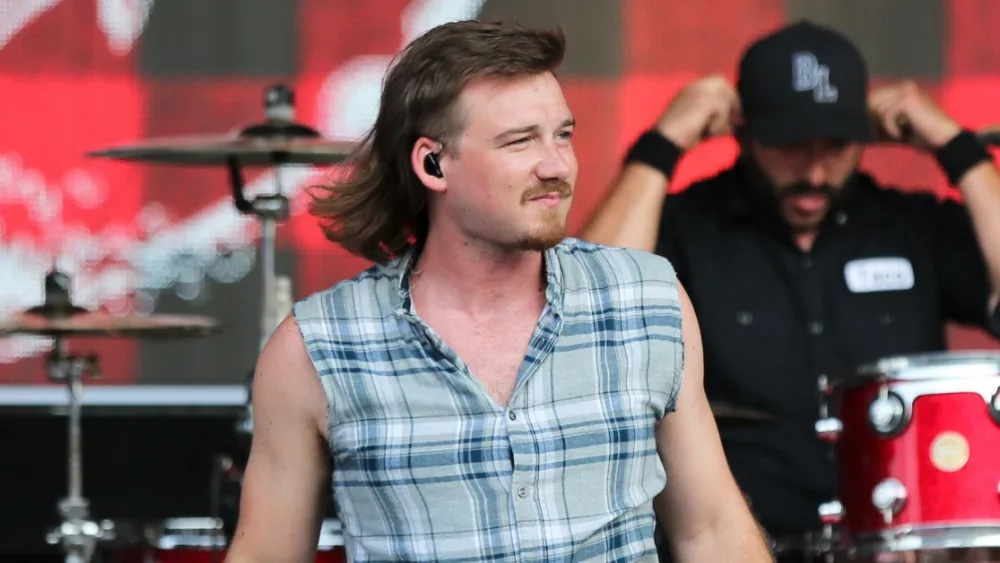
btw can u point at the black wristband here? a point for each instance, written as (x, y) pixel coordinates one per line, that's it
(960, 154)
(655, 150)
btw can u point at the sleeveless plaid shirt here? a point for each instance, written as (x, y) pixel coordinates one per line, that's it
(428, 467)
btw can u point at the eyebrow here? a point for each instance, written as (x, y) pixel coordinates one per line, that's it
(569, 122)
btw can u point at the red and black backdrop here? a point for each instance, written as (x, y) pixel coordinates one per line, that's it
(79, 75)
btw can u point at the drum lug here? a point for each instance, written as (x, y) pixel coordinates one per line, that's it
(888, 497)
(885, 413)
(828, 429)
(831, 513)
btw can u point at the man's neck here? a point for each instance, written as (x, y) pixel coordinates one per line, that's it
(474, 277)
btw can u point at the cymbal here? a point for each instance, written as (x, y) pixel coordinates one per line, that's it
(220, 149)
(99, 323)
(725, 412)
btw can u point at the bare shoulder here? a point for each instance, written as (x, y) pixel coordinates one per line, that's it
(285, 382)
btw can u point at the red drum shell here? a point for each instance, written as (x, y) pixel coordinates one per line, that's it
(945, 452)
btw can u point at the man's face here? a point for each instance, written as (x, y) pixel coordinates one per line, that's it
(807, 176)
(510, 172)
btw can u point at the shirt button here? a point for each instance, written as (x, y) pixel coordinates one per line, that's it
(885, 318)
(511, 415)
(815, 328)
(807, 263)
(522, 492)
(744, 318)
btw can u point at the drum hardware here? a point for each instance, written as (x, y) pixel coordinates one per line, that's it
(198, 540)
(278, 140)
(825, 389)
(827, 428)
(950, 539)
(77, 534)
(885, 413)
(59, 318)
(912, 473)
(187, 532)
(275, 141)
(830, 515)
(888, 497)
(224, 471)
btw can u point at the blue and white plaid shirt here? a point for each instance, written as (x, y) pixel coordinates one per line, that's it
(428, 467)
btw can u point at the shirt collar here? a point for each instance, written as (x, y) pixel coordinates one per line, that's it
(400, 269)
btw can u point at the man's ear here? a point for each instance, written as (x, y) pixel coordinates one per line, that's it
(425, 158)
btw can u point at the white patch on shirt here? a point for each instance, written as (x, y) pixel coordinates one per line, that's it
(879, 274)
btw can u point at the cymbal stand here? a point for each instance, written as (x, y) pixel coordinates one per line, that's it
(270, 209)
(828, 429)
(77, 534)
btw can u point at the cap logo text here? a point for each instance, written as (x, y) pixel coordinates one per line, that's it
(808, 74)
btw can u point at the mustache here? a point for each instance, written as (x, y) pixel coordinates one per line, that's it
(805, 188)
(560, 188)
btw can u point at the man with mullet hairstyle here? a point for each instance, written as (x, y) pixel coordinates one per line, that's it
(489, 390)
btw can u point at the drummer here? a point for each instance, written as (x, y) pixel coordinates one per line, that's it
(798, 263)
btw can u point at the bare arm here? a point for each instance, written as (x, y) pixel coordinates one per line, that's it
(930, 128)
(631, 213)
(287, 474)
(701, 509)
(981, 189)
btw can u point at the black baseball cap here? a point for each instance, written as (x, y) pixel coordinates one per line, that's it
(804, 82)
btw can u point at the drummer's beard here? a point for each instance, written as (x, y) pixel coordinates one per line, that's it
(779, 201)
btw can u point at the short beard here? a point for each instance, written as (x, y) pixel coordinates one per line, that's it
(764, 191)
(545, 238)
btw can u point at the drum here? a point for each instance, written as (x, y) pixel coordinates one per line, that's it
(804, 548)
(917, 441)
(202, 540)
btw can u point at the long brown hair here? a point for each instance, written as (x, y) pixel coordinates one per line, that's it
(379, 209)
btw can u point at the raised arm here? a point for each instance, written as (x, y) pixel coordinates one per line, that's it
(928, 127)
(630, 214)
(701, 509)
(286, 478)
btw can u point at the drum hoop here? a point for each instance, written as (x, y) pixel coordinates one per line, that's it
(330, 535)
(812, 543)
(202, 532)
(174, 533)
(918, 367)
(985, 534)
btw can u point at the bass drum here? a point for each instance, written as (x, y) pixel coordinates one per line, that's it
(202, 540)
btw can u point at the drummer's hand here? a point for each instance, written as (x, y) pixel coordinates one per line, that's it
(906, 114)
(705, 108)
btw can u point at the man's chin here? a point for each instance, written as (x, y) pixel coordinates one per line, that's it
(545, 238)
(800, 222)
